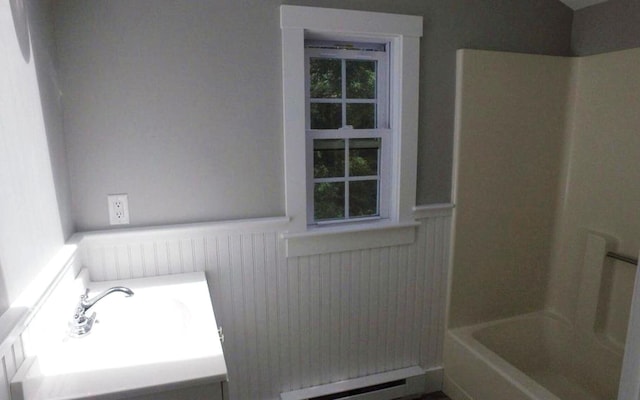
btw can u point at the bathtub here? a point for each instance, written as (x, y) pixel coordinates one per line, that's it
(536, 356)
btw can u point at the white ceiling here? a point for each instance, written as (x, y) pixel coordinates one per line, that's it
(578, 4)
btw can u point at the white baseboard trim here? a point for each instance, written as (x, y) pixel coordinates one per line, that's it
(453, 390)
(433, 378)
(417, 381)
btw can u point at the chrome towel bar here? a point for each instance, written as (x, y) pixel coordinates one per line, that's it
(623, 258)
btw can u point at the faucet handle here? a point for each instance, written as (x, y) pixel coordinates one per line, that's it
(81, 325)
(79, 308)
(79, 312)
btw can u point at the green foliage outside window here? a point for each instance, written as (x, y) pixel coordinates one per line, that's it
(329, 162)
(326, 83)
(328, 78)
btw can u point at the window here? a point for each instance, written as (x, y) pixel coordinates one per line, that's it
(347, 131)
(350, 101)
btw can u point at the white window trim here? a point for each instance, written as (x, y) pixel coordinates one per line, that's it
(403, 32)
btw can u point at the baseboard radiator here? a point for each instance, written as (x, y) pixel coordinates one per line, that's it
(385, 386)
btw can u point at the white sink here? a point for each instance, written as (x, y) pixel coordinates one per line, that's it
(164, 337)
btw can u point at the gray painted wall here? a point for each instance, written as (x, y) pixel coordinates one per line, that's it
(51, 98)
(179, 104)
(610, 26)
(34, 213)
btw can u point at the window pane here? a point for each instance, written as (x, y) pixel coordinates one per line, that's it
(361, 116)
(328, 198)
(361, 79)
(328, 158)
(363, 156)
(326, 116)
(363, 198)
(325, 78)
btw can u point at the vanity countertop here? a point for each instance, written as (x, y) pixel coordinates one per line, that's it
(164, 337)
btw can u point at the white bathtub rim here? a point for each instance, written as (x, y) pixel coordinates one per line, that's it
(517, 378)
(532, 315)
(464, 337)
(600, 339)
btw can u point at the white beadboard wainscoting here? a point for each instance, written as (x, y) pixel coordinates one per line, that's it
(12, 356)
(297, 322)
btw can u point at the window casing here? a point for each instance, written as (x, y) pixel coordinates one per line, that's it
(348, 138)
(402, 33)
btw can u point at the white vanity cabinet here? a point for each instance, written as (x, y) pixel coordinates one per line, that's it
(205, 392)
(161, 343)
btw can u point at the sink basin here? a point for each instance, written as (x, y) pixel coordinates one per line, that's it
(162, 338)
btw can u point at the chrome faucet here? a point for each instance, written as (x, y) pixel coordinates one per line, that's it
(80, 325)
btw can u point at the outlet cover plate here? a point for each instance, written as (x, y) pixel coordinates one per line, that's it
(118, 209)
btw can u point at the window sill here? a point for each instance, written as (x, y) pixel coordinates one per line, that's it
(331, 239)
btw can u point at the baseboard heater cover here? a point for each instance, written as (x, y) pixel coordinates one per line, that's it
(383, 386)
(362, 391)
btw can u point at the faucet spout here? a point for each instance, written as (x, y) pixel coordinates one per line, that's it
(87, 303)
(80, 325)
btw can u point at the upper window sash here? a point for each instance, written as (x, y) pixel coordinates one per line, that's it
(382, 81)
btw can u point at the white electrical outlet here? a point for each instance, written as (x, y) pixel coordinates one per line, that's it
(118, 209)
